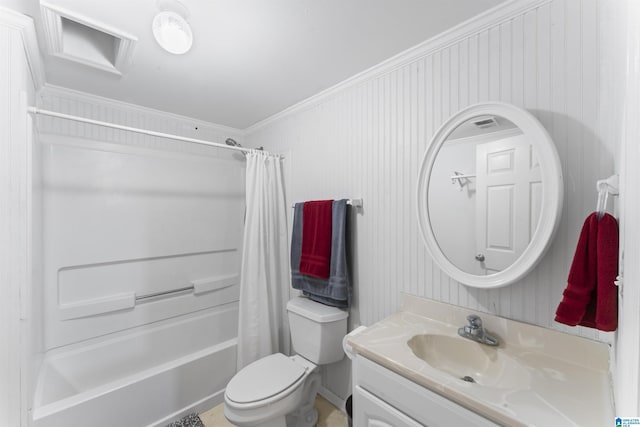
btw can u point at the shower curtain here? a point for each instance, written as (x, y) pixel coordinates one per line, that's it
(264, 283)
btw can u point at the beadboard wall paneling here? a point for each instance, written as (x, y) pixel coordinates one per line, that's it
(81, 104)
(19, 237)
(367, 140)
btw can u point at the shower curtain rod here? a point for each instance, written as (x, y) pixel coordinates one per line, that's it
(35, 110)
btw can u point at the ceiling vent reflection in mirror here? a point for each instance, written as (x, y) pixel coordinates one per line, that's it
(486, 122)
(85, 41)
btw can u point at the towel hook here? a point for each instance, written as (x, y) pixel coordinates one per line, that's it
(604, 188)
(610, 185)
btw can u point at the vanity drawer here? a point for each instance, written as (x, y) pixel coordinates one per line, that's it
(413, 400)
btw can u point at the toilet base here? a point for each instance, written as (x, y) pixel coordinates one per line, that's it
(301, 403)
(306, 415)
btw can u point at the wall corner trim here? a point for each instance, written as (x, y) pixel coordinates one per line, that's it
(500, 13)
(24, 24)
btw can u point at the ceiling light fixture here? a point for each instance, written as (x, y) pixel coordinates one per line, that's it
(171, 29)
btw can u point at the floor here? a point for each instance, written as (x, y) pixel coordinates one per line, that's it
(328, 415)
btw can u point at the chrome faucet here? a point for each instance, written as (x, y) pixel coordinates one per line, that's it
(475, 332)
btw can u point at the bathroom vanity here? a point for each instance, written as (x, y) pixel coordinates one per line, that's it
(413, 369)
(384, 398)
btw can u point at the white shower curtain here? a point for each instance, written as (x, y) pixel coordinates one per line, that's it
(264, 284)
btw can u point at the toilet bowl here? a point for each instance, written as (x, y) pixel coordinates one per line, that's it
(275, 391)
(278, 390)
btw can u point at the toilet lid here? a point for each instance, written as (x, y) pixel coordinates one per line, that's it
(264, 378)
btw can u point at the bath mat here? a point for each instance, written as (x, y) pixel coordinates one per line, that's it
(191, 420)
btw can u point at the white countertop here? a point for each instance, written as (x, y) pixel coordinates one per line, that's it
(560, 380)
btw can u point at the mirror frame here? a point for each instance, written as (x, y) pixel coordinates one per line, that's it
(552, 198)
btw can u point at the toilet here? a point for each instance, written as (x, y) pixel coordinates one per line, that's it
(278, 390)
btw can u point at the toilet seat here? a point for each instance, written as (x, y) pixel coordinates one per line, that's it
(264, 381)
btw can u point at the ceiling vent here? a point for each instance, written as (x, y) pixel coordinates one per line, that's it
(485, 122)
(84, 41)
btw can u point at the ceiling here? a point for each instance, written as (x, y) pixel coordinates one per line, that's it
(251, 58)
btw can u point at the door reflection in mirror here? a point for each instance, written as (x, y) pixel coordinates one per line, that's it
(485, 184)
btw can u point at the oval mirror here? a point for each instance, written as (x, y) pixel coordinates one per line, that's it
(489, 194)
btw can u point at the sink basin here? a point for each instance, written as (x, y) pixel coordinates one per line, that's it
(469, 361)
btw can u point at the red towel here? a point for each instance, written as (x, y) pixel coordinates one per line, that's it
(315, 256)
(591, 298)
(608, 247)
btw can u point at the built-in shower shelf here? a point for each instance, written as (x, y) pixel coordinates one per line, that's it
(128, 300)
(210, 284)
(95, 306)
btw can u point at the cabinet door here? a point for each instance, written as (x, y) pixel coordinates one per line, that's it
(369, 411)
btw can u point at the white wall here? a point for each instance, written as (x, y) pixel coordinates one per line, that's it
(20, 236)
(624, 86)
(35, 293)
(366, 137)
(455, 224)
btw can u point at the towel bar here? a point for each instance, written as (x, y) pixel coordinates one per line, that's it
(356, 203)
(157, 294)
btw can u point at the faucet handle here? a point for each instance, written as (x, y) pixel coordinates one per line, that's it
(474, 321)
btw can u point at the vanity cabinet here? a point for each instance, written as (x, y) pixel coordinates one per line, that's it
(383, 398)
(373, 412)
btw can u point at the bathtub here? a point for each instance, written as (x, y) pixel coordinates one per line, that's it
(149, 376)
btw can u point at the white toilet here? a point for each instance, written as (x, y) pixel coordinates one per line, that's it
(279, 391)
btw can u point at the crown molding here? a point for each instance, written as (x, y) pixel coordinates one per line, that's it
(494, 16)
(25, 26)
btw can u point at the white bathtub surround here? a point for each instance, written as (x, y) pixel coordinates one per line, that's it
(265, 262)
(543, 377)
(130, 216)
(151, 375)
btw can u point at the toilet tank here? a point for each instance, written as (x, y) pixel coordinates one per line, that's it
(317, 330)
